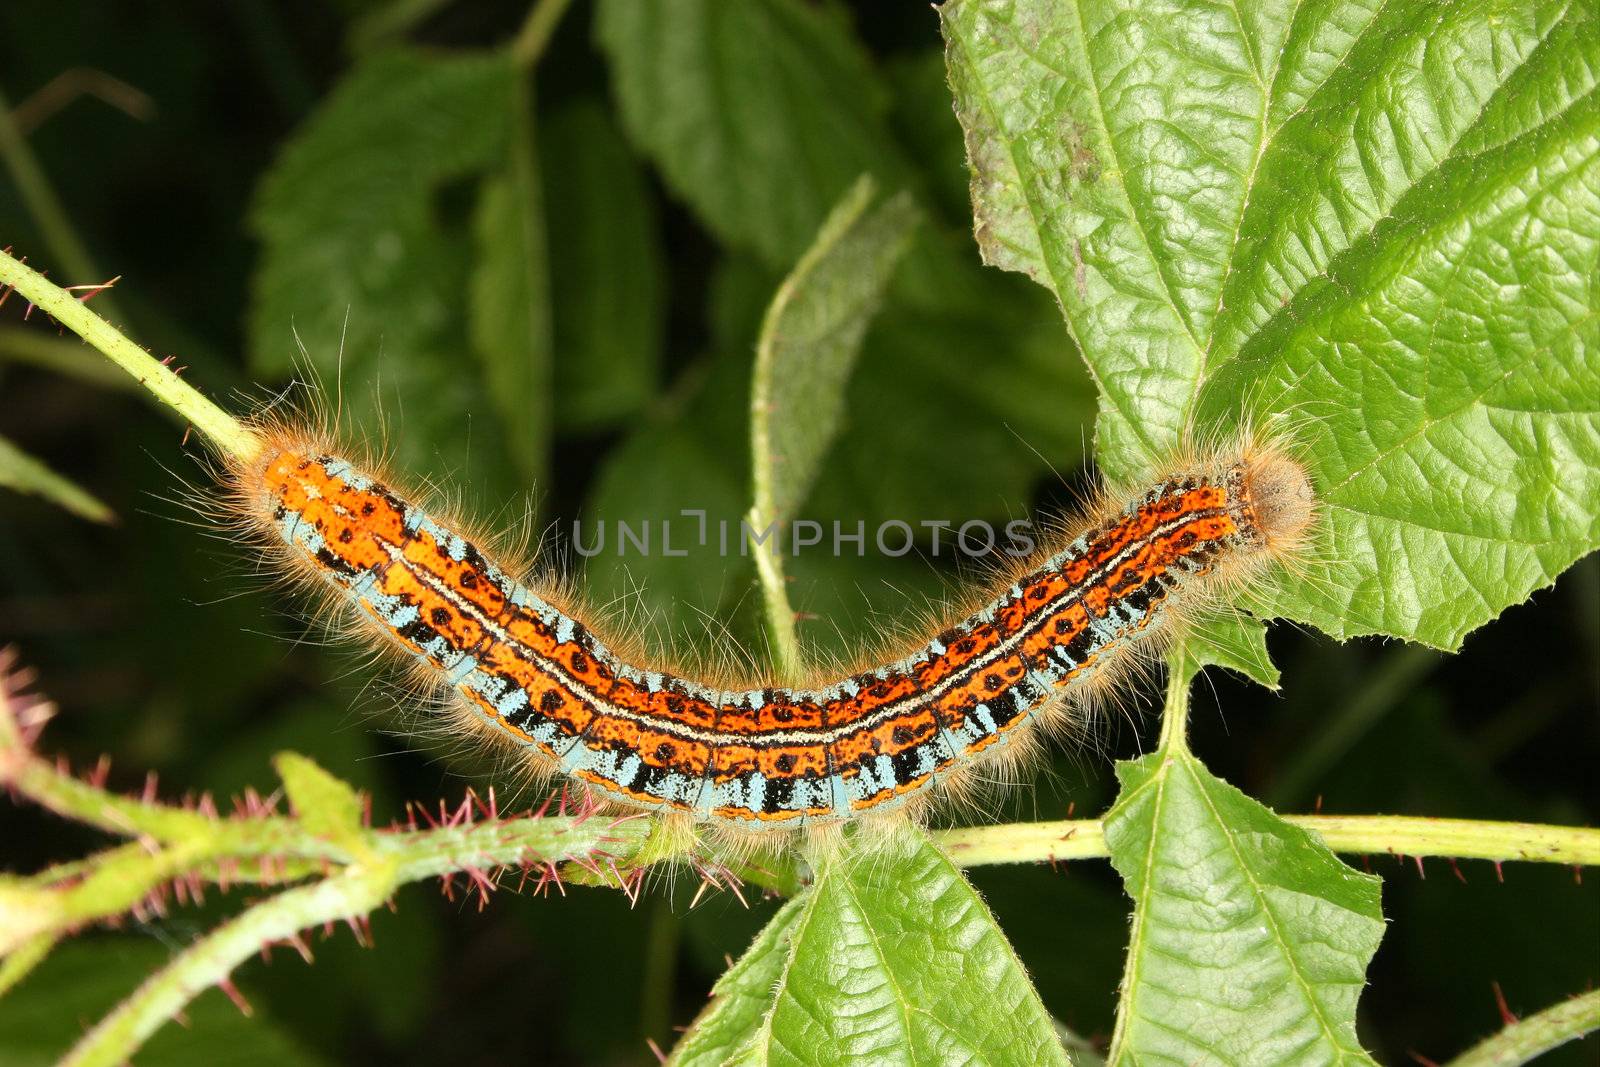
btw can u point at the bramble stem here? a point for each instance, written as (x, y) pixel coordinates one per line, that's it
(1525, 1039)
(350, 894)
(221, 429)
(1398, 835)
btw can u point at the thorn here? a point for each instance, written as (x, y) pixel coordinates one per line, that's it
(1420, 872)
(300, 946)
(1454, 866)
(1420, 1058)
(102, 771)
(543, 808)
(226, 985)
(1577, 874)
(361, 929)
(1507, 1016)
(661, 1057)
(1317, 807)
(92, 291)
(1499, 872)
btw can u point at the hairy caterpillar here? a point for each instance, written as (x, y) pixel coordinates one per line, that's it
(752, 754)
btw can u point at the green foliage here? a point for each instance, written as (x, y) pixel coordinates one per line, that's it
(365, 248)
(881, 960)
(325, 806)
(607, 298)
(810, 338)
(760, 114)
(1324, 218)
(1250, 940)
(22, 473)
(650, 285)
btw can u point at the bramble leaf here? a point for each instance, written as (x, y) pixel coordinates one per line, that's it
(1250, 939)
(884, 960)
(1378, 219)
(760, 114)
(366, 251)
(742, 996)
(509, 297)
(23, 473)
(810, 339)
(607, 300)
(325, 805)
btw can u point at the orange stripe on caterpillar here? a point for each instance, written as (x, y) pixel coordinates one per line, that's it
(770, 756)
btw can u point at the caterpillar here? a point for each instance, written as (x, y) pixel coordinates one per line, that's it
(526, 668)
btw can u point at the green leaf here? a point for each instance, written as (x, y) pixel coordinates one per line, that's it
(509, 295)
(742, 996)
(1250, 939)
(607, 295)
(810, 339)
(24, 474)
(760, 114)
(1379, 220)
(690, 456)
(1236, 642)
(365, 223)
(325, 805)
(893, 960)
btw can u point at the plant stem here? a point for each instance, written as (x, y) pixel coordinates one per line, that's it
(1175, 712)
(350, 894)
(221, 429)
(1025, 842)
(537, 29)
(1521, 1041)
(1398, 835)
(1419, 836)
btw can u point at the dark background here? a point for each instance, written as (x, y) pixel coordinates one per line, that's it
(164, 651)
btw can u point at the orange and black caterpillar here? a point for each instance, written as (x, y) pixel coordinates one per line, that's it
(758, 756)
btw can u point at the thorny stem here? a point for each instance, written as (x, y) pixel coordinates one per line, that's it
(1397, 835)
(1523, 1040)
(220, 428)
(349, 894)
(359, 869)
